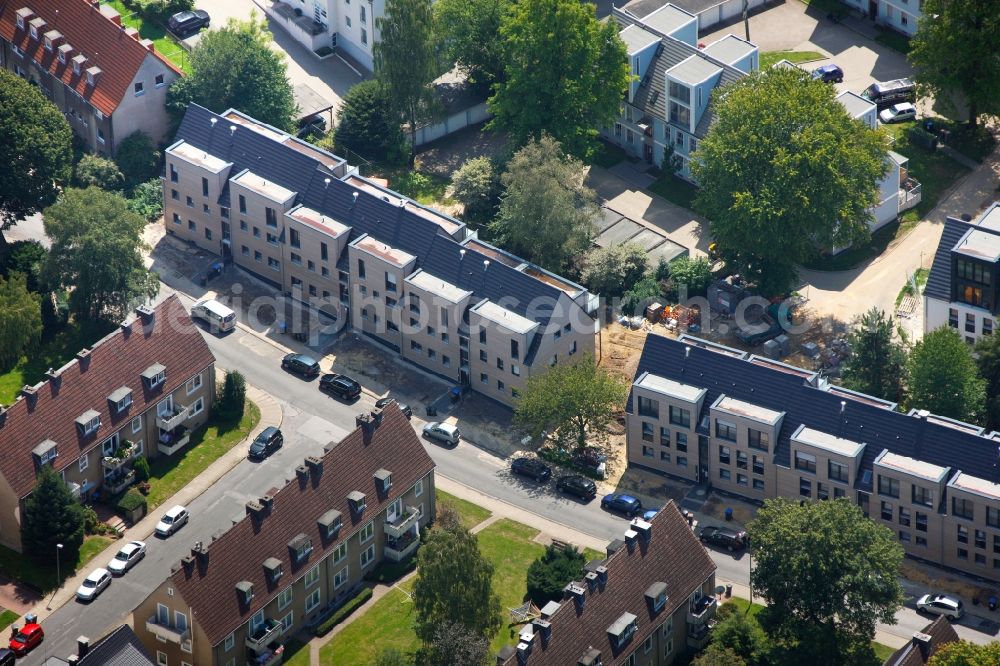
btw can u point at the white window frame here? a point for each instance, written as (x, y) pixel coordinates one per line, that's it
(418, 488)
(312, 576)
(137, 424)
(313, 600)
(83, 463)
(161, 658)
(193, 384)
(197, 408)
(286, 597)
(341, 578)
(20, 23)
(288, 621)
(229, 643)
(367, 533)
(339, 553)
(368, 552)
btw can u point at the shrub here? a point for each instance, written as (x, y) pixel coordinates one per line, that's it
(138, 159)
(342, 613)
(548, 575)
(476, 185)
(94, 170)
(130, 501)
(368, 125)
(91, 523)
(389, 572)
(25, 257)
(147, 200)
(232, 395)
(141, 467)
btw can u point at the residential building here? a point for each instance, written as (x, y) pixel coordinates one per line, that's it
(139, 391)
(924, 644)
(900, 15)
(709, 12)
(107, 81)
(757, 428)
(349, 27)
(415, 280)
(298, 553)
(119, 648)
(650, 600)
(961, 287)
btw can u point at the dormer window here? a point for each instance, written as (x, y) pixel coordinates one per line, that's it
(301, 547)
(272, 566)
(357, 501)
(120, 399)
(88, 422)
(45, 453)
(330, 524)
(244, 589)
(48, 44)
(154, 375)
(622, 630)
(383, 480)
(656, 595)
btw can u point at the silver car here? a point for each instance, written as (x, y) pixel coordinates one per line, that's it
(941, 604)
(445, 433)
(93, 585)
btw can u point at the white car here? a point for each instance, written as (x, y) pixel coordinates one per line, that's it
(898, 113)
(127, 557)
(941, 604)
(445, 433)
(172, 520)
(93, 585)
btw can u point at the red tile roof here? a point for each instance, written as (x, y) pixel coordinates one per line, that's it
(209, 588)
(118, 360)
(915, 653)
(104, 42)
(673, 556)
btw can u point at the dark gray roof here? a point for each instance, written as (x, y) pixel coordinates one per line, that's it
(643, 7)
(939, 279)
(879, 428)
(119, 648)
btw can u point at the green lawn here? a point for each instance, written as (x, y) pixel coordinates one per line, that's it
(296, 653)
(768, 58)
(882, 652)
(53, 352)
(7, 618)
(41, 577)
(469, 514)
(893, 40)
(162, 41)
(607, 155)
(935, 170)
(168, 474)
(425, 188)
(675, 190)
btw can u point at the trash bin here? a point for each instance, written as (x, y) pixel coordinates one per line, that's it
(929, 125)
(432, 410)
(729, 513)
(729, 590)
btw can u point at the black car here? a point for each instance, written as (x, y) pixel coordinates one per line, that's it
(531, 467)
(580, 486)
(341, 386)
(267, 442)
(315, 124)
(382, 402)
(300, 364)
(724, 537)
(828, 74)
(188, 22)
(7, 657)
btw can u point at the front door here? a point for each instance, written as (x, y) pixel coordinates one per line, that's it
(647, 152)
(873, 9)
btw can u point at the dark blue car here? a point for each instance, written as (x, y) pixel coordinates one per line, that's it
(625, 504)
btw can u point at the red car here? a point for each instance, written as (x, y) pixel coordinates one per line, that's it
(23, 641)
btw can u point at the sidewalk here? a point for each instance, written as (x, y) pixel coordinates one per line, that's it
(270, 415)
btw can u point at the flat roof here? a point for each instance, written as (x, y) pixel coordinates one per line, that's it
(260, 128)
(318, 221)
(504, 317)
(912, 466)
(748, 410)
(694, 70)
(980, 245)
(729, 49)
(263, 186)
(449, 225)
(383, 251)
(668, 18)
(668, 250)
(828, 442)
(974, 484)
(437, 286)
(637, 38)
(855, 104)
(192, 155)
(991, 218)
(670, 387)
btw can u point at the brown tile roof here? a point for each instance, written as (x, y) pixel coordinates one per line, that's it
(673, 556)
(914, 654)
(239, 554)
(117, 360)
(104, 42)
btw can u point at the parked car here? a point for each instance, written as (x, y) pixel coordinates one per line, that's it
(26, 639)
(445, 433)
(898, 113)
(382, 402)
(593, 460)
(941, 604)
(531, 467)
(314, 124)
(648, 514)
(341, 386)
(626, 504)
(300, 364)
(174, 519)
(886, 93)
(93, 585)
(7, 657)
(828, 74)
(188, 22)
(579, 486)
(127, 557)
(724, 537)
(216, 316)
(267, 442)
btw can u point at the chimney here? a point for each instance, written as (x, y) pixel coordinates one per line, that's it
(367, 424)
(30, 393)
(377, 415)
(267, 501)
(82, 646)
(199, 551)
(922, 642)
(631, 537)
(315, 466)
(577, 593)
(591, 578)
(55, 379)
(148, 43)
(132, 32)
(644, 529)
(255, 509)
(83, 356)
(614, 547)
(302, 472)
(145, 313)
(923, 414)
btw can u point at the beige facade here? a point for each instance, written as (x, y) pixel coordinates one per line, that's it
(660, 426)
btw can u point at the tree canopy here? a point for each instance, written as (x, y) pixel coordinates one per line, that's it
(52, 516)
(944, 378)
(235, 66)
(99, 172)
(573, 402)
(741, 634)
(828, 573)
(368, 125)
(566, 74)
(147, 200)
(138, 159)
(988, 361)
(947, 54)
(476, 185)
(690, 276)
(783, 170)
(35, 149)
(611, 271)
(546, 213)
(96, 251)
(878, 362)
(20, 319)
(454, 644)
(470, 32)
(965, 653)
(549, 574)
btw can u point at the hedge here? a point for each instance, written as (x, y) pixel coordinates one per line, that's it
(389, 572)
(130, 501)
(342, 613)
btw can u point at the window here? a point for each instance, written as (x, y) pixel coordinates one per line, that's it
(367, 556)
(367, 532)
(192, 226)
(682, 441)
(649, 407)
(647, 431)
(83, 463)
(961, 508)
(312, 576)
(741, 460)
(62, 57)
(741, 479)
(273, 264)
(295, 258)
(664, 437)
(887, 510)
(987, 326)
(175, 196)
(20, 23)
(970, 323)
(499, 363)
(230, 641)
(340, 578)
(161, 658)
(980, 539)
(648, 452)
(822, 492)
(483, 356)
(837, 471)
(159, 80)
(805, 462)
(138, 88)
(514, 348)
(272, 239)
(189, 201)
(758, 465)
(922, 496)
(904, 516)
(758, 484)
(361, 269)
(648, 645)
(953, 317)
(904, 536)
(921, 541)
(888, 486)
(805, 487)
(100, 135)
(725, 430)
(364, 36)
(418, 488)
(724, 452)
(664, 456)
(193, 384)
(963, 534)
(992, 517)
(680, 417)
(285, 598)
(515, 370)
(963, 554)
(312, 601)
(339, 553)
(758, 440)
(244, 250)
(921, 522)
(364, 16)
(682, 461)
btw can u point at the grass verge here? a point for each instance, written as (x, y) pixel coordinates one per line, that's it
(7, 618)
(168, 474)
(768, 58)
(893, 40)
(469, 514)
(675, 190)
(163, 42)
(42, 577)
(296, 653)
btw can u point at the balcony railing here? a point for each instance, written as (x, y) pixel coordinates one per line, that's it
(271, 656)
(400, 548)
(166, 631)
(115, 461)
(702, 610)
(699, 635)
(400, 524)
(270, 631)
(909, 194)
(119, 481)
(175, 417)
(171, 442)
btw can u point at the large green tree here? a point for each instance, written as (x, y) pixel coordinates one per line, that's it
(878, 362)
(551, 571)
(566, 74)
(574, 402)
(782, 170)
(611, 271)
(20, 319)
(138, 159)
(737, 631)
(99, 172)
(405, 60)
(235, 66)
(944, 378)
(547, 214)
(951, 56)
(96, 252)
(988, 361)
(455, 644)
(470, 32)
(829, 575)
(52, 516)
(965, 653)
(715, 655)
(368, 125)
(454, 583)
(35, 149)
(476, 185)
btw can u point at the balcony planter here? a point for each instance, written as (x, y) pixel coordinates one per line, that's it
(124, 454)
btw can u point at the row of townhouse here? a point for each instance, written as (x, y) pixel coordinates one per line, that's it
(413, 279)
(107, 81)
(647, 602)
(758, 428)
(961, 289)
(140, 391)
(297, 553)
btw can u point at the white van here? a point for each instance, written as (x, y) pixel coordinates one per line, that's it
(215, 314)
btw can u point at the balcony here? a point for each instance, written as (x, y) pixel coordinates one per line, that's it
(698, 636)
(396, 527)
(270, 656)
(702, 610)
(398, 549)
(268, 632)
(124, 454)
(173, 418)
(171, 442)
(909, 194)
(166, 631)
(119, 480)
